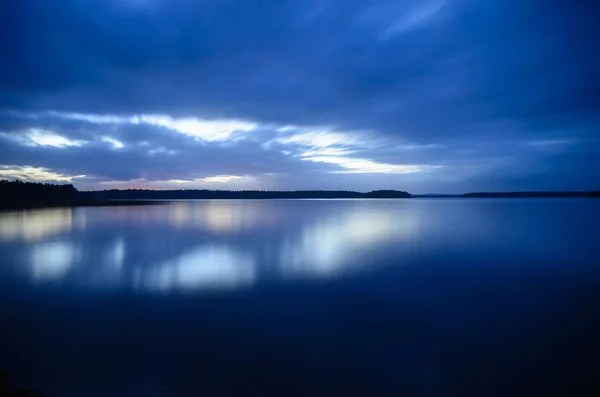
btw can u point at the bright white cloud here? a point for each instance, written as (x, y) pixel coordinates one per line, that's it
(154, 184)
(350, 151)
(323, 139)
(41, 137)
(286, 128)
(207, 130)
(219, 179)
(114, 142)
(28, 173)
(210, 179)
(48, 138)
(362, 166)
(334, 148)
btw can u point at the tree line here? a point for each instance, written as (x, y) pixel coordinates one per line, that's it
(18, 191)
(14, 193)
(142, 194)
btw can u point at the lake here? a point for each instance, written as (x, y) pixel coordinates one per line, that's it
(415, 297)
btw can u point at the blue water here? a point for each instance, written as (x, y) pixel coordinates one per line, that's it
(440, 297)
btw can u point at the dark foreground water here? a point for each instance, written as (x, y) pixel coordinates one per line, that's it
(316, 297)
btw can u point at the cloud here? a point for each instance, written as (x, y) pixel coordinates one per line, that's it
(220, 130)
(115, 143)
(207, 130)
(185, 90)
(138, 152)
(339, 148)
(364, 166)
(220, 178)
(48, 138)
(208, 179)
(34, 174)
(417, 17)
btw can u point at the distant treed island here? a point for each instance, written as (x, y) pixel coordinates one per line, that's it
(18, 194)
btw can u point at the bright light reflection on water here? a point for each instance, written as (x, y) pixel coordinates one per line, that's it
(115, 254)
(220, 216)
(336, 244)
(205, 267)
(52, 260)
(208, 245)
(212, 245)
(414, 297)
(35, 224)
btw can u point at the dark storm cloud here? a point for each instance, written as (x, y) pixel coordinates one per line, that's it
(478, 86)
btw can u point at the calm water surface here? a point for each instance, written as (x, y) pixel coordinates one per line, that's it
(304, 297)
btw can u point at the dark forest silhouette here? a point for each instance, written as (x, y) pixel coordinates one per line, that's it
(30, 191)
(18, 194)
(132, 194)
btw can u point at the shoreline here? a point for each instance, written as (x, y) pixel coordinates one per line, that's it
(4, 206)
(94, 203)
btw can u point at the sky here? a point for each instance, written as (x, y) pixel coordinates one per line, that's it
(428, 96)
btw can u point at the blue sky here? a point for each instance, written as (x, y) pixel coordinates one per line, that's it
(418, 95)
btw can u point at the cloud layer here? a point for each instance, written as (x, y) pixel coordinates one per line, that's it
(426, 96)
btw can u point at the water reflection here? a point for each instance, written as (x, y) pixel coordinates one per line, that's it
(52, 260)
(337, 244)
(207, 267)
(501, 291)
(199, 247)
(115, 255)
(35, 224)
(220, 216)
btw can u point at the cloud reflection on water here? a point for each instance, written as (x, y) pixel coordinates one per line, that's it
(205, 267)
(35, 225)
(220, 216)
(52, 260)
(115, 255)
(337, 244)
(195, 246)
